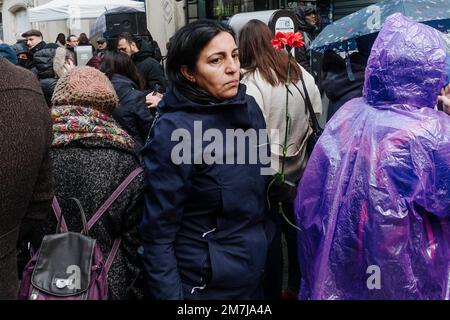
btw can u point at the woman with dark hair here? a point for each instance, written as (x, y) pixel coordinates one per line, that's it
(61, 40)
(132, 114)
(265, 72)
(83, 40)
(203, 227)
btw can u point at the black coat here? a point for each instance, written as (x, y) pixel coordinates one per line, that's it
(43, 68)
(132, 114)
(90, 170)
(37, 48)
(203, 226)
(336, 83)
(309, 33)
(149, 68)
(48, 87)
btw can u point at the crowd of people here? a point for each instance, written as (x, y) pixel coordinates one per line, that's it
(202, 221)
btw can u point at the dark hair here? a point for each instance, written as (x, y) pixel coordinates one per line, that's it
(256, 52)
(116, 62)
(186, 45)
(63, 38)
(129, 38)
(83, 39)
(146, 35)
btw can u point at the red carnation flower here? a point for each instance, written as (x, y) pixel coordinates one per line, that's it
(294, 40)
(279, 41)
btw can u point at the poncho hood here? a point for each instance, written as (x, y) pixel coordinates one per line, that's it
(406, 65)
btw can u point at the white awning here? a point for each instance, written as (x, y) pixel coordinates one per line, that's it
(80, 9)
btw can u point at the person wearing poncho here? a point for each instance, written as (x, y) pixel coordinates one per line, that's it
(373, 205)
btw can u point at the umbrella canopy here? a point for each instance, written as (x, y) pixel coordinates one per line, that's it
(435, 13)
(99, 26)
(82, 9)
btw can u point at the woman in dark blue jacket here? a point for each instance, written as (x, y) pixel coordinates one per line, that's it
(205, 208)
(132, 114)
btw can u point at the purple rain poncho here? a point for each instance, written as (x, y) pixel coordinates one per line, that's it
(373, 205)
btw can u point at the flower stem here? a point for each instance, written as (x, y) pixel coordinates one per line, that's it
(288, 81)
(280, 209)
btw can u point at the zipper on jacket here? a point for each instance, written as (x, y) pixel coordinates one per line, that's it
(198, 288)
(210, 231)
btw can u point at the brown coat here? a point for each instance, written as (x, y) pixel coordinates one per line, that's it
(26, 186)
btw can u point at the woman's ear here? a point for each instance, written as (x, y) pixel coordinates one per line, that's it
(188, 74)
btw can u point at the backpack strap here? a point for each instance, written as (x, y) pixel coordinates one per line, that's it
(61, 223)
(112, 254)
(105, 206)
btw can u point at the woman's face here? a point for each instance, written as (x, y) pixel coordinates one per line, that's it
(217, 68)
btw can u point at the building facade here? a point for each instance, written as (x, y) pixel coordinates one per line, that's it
(164, 17)
(14, 21)
(224, 9)
(328, 10)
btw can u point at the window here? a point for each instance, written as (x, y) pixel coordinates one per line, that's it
(1, 26)
(22, 23)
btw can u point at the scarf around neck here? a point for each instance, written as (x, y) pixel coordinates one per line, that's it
(72, 123)
(194, 93)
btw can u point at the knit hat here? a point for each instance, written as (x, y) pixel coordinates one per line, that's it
(8, 53)
(85, 87)
(21, 47)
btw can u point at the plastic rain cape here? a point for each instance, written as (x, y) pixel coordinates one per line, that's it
(373, 205)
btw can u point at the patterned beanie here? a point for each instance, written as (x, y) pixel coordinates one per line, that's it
(86, 87)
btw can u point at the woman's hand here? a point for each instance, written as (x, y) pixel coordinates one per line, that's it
(153, 99)
(445, 98)
(69, 65)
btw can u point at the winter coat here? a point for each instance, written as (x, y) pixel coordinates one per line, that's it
(90, 170)
(153, 47)
(43, 68)
(337, 85)
(132, 114)
(149, 68)
(309, 33)
(272, 101)
(373, 205)
(26, 187)
(203, 226)
(33, 51)
(37, 48)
